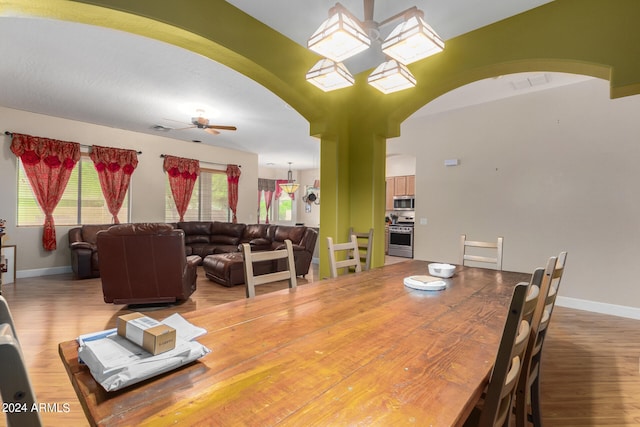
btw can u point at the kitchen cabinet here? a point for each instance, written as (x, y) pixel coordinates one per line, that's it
(390, 188)
(399, 186)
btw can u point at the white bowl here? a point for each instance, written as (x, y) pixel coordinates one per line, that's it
(442, 270)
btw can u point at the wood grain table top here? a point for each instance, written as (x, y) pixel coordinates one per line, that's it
(361, 349)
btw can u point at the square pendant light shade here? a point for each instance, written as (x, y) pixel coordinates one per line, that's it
(339, 37)
(391, 76)
(327, 75)
(411, 41)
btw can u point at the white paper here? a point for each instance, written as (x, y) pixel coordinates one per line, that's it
(116, 362)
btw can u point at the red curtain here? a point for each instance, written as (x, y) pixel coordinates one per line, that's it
(114, 167)
(268, 197)
(48, 164)
(182, 175)
(268, 186)
(233, 176)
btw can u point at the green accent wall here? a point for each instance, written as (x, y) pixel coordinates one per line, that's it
(592, 37)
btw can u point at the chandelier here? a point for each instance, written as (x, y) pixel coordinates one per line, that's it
(342, 36)
(290, 186)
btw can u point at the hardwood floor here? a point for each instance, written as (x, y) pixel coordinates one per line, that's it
(590, 371)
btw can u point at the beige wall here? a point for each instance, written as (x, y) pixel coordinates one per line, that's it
(550, 171)
(147, 187)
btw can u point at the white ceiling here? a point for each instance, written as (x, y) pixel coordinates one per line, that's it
(111, 78)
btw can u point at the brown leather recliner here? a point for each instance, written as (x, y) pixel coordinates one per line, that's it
(145, 263)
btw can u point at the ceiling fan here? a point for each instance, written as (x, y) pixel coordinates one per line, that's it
(201, 122)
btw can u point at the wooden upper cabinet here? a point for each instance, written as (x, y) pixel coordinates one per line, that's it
(399, 186)
(411, 185)
(390, 183)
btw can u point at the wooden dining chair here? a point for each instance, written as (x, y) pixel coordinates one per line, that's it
(351, 255)
(250, 257)
(365, 245)
(15, 386)
(527, 406)
(466, 255)
(496, 408)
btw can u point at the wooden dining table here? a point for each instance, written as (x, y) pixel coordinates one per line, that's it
(362, 349)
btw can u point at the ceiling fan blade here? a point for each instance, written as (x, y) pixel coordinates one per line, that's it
(221, 127)
(176, 121)
(188, 127)
(212, 131)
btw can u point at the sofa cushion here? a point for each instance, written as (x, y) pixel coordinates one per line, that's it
(89, 232)
(227, 229)
(221, 239)
(195, 231)
(280, 233)
(255, 231)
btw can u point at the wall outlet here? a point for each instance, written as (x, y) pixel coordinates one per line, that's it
(423, 221)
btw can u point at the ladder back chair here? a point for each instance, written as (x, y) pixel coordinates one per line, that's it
(250, 257)
(497, 406)
(474, 257)
(15, 386)
(365, 244)
(528, 392)
(350, 249)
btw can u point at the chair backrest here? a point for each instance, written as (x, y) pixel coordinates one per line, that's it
(15, 386)
(542, 316)
(499, 398)
(365, 244)
(350, 249)
(250, 257)
(496, 247)
(143, 263)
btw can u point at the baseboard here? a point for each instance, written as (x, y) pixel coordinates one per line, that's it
(36, 272)
(599, 307)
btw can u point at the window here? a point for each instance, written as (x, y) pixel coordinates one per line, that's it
(284, 208)
(209, 201)
(81, 203)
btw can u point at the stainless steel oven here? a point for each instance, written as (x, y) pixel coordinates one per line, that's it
(401, 240)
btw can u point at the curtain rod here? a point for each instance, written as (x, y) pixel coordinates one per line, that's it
(6, 132)
(202, 161)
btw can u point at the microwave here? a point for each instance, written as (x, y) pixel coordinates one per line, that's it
(404, 203)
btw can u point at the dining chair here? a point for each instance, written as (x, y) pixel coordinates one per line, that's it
(527, 406)
(15, 387)
(350, 249)
(268, 256)
(365, 244)
(480, 246)
(496, 408)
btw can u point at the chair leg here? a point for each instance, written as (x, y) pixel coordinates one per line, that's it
(521, 406)
(535, 403)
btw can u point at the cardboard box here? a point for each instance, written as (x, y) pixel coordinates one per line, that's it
(148, 333)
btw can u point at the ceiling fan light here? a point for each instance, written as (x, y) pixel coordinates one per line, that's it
(391, 76)
(328, 75)
(412, 40)
(339, 37)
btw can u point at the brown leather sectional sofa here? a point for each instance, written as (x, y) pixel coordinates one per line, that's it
(204, 238)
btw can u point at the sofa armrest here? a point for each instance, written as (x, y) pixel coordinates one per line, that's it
(82, 245)
(193, 260)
